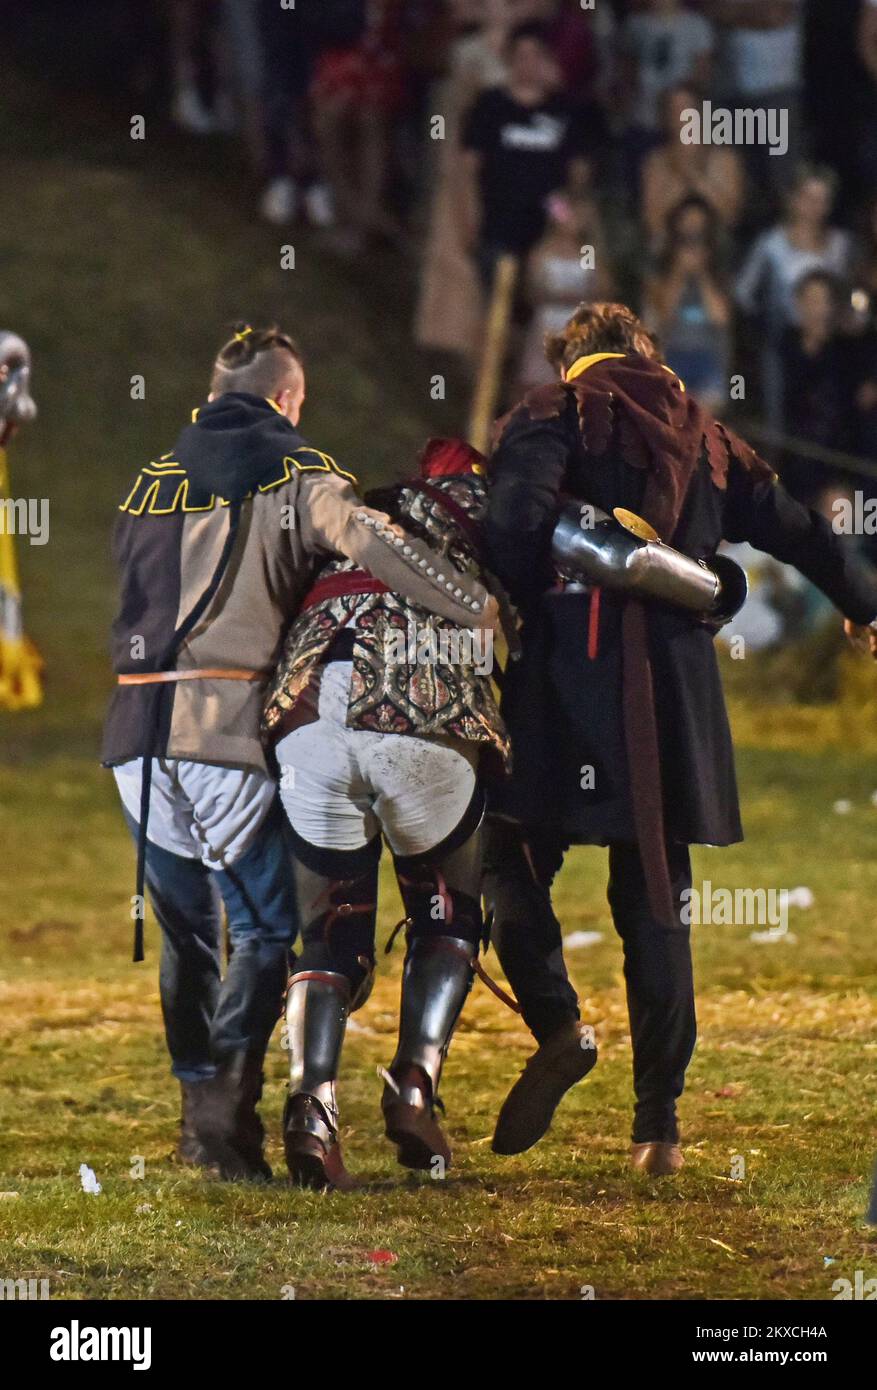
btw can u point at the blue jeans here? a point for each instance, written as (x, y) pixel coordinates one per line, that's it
(207, 1017)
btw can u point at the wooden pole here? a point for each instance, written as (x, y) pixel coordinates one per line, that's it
(496, 337)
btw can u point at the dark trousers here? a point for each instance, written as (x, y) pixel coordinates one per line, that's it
(208, 1017)
(519, 867)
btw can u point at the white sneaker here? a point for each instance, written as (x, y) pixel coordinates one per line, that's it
(189, 112)
(320, 205)
(279, 202)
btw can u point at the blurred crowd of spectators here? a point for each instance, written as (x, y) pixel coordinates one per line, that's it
(459, 130)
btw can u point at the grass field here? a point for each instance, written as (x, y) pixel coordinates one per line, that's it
(113, 266)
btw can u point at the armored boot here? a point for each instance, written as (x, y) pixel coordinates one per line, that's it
(317, 1007)
(436, 979)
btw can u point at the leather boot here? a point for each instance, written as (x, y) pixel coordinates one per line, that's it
(227, 1122)
(658, 1159)
(435, 981)
(317, 1006)
(190, 1151)
(529, 1107)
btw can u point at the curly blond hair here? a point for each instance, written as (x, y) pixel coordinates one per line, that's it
(600, 328)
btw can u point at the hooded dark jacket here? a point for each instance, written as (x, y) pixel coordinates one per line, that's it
(240, 486)
(624, 433)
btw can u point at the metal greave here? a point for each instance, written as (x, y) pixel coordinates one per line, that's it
(436, 979)
(317, 1007)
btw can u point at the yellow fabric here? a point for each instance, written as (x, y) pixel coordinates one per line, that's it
(582, 364)
(21, 665)
(162, 488)
(676, 374)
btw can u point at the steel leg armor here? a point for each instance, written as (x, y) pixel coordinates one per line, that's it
(317, 1007)
(435, 982)
(441, 893)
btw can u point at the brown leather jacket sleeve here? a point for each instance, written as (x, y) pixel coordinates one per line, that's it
(333, 518)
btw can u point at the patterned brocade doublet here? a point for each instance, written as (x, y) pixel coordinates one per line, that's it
(413, 672)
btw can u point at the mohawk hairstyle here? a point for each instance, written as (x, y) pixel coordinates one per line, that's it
(258, 360)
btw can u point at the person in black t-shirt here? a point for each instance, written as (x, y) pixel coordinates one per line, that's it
(522, 142)
(818, 388)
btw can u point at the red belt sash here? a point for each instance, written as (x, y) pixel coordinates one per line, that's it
(346, 584)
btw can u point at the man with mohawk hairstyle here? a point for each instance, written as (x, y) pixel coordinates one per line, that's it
(216, 544)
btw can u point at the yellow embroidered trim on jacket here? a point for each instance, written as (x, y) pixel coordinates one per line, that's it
(326, 465)
(162, 487)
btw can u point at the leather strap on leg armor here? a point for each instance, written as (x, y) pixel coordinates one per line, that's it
(337, 899)
(441, 890)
